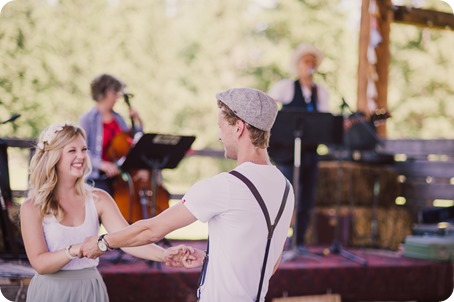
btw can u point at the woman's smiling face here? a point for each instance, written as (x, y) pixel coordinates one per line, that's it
(73, 158)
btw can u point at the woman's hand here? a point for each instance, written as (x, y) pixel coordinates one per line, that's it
(174, 255)
(109, 168)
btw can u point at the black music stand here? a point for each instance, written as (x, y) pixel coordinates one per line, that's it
(156, 152)
(313, 127)
(292, 129)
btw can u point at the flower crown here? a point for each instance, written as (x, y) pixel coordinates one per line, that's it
(49, 134)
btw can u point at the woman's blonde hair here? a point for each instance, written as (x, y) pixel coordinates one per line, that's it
(43, 170)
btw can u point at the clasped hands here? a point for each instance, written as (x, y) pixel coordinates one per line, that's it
(184, 256)
(175, 256)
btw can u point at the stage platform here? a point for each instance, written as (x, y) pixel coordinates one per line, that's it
(386, 276)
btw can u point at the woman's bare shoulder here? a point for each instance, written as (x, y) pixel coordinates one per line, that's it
(100, 195)
(29, 207)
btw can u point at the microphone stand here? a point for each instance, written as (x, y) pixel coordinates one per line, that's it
(336, 247)
(344, 105)
(293, 253)
(376, 185)
(13, 117)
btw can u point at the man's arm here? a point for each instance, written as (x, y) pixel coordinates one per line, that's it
(142, 232)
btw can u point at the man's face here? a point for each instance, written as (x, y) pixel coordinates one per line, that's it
(227, 135)
(307, 64)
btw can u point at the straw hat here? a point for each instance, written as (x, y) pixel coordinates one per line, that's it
(302, 50)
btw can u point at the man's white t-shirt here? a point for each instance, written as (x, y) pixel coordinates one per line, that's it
(238, 230)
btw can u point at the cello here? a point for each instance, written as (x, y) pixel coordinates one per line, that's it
(132, 190)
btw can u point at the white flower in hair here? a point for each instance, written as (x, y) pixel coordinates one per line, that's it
(49, 134)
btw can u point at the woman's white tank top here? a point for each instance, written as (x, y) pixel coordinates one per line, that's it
(59, 236)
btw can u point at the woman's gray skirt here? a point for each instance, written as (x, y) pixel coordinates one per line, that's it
(85, 285)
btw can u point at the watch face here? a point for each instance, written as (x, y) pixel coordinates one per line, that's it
(102, 246)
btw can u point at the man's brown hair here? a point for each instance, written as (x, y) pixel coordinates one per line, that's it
(259, 138)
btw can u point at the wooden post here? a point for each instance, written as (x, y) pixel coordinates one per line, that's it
(363, 64)
(383, 58)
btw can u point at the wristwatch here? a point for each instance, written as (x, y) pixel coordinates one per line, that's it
(102, 244)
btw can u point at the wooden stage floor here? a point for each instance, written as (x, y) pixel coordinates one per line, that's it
(386, 276)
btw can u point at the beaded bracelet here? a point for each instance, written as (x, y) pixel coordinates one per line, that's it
(68, 254)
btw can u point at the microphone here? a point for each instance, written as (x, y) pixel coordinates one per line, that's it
(312, 71)
(129, 95)
(12, 118)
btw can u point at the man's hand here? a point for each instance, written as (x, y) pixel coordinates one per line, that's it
(194, 259)
(90, 248)
(173, 255)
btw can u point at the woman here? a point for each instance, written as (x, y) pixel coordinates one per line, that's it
(102, 123)
(60, 212)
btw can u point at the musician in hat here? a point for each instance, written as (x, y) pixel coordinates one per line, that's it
(301, 92)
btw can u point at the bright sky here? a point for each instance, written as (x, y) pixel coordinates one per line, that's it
(3, 3)
(451, 4)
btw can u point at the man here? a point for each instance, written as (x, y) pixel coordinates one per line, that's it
(236, 225)
(302, 93)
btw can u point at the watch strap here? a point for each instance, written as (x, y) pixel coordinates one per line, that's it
(101, 238)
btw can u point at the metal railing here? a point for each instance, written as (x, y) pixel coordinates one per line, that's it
(30, 143)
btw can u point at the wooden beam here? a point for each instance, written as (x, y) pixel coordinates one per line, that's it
(389, 13)
(26, 143)
(414, 192)
(420, 148)
(423, 169)
(423, 17)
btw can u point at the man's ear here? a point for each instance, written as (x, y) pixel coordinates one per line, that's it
(240, 124)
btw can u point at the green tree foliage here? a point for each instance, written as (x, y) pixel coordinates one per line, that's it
(176, 54)
(421, 90)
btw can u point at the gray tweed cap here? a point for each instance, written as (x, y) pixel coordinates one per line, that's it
(251, 105)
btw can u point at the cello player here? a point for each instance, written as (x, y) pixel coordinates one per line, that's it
(102, 123)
